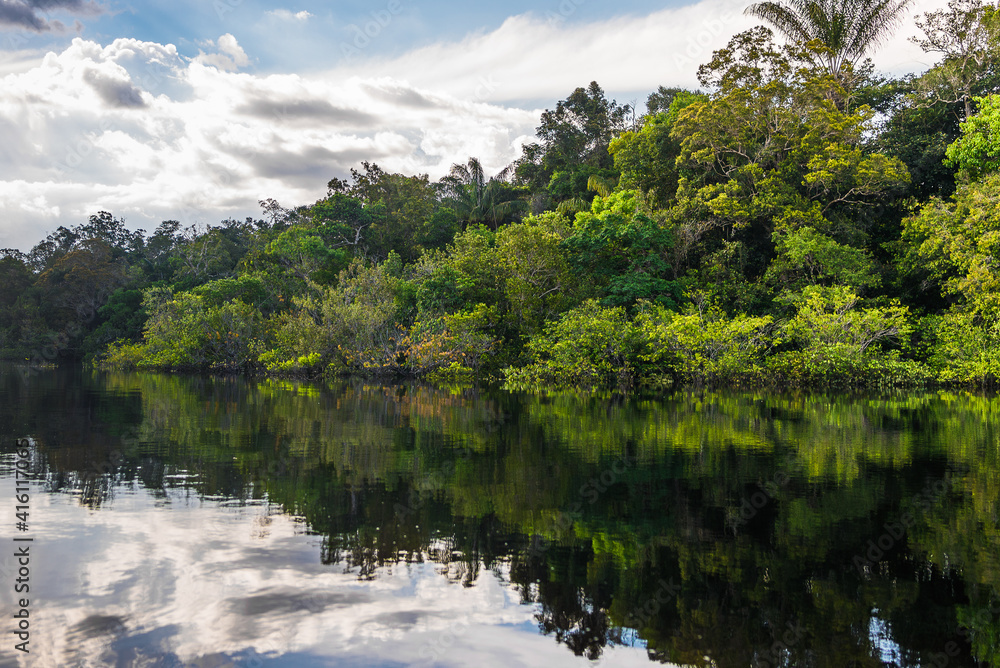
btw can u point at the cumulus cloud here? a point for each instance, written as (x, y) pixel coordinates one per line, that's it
(230, 56)
(34, 15)
(544, 56)
(136, 129)
(307, 110)
(285, 15)
(114, 91)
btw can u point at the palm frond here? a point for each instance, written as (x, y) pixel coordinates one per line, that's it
(848, 28)
(600, 185)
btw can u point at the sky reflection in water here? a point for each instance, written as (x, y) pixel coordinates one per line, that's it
(185, 581)
(222, 522)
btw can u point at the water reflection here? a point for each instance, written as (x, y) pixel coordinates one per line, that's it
(725, 529)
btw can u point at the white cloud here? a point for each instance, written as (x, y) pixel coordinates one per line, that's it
(285, 15)
(230, 56)
(136, 129)
(196, 582)
(541, 56)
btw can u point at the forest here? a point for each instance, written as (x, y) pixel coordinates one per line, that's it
(801, 220)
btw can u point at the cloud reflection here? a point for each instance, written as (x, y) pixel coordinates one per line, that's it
(195, 582)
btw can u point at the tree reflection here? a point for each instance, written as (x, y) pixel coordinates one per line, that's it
(717, 529)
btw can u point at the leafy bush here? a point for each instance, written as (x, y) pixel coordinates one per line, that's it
(702, 344)
(966, 349)
(590, 344)
(832, 340)
(455, 344)
(185, 333)
(356, 326)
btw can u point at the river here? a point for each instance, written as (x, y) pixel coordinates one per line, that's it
(222, 521)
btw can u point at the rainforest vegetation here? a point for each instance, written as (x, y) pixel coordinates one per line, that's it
(801, 219)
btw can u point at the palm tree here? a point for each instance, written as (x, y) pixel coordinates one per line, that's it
(478, 200)
(847, 28)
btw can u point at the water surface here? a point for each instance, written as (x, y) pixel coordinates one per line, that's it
(189, 521)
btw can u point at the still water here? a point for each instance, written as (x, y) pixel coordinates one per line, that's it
(193, 521)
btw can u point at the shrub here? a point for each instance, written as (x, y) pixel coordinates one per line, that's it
(453, 345)
(833, 340)
(966, 349)
(702, 344)
(590, 344)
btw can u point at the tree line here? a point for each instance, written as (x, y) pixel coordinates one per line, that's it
(801, 219)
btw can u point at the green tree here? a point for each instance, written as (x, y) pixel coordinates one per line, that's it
(469, 271)
(359, 325)
(701, 344)
(574, 134)
(917, 131)
(477, 200)
(343, 222)
(591, 345)
(767, 154)
(846, 29)
(214, 251)
(647, 157)
(956, 243)
(15, 303)
(838, 341)
(624, 251)
(964, 347)
(402, 206)
(77, 284)
(977, 151)
(122, 318)
(539, 281)
(967, 35)
(186, 331)
(660, 100)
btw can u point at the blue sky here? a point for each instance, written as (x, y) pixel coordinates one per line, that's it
(316, 44)
(195, 110)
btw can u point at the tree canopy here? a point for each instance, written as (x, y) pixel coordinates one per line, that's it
(800, 219)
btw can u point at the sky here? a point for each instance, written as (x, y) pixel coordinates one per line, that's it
(196, 110)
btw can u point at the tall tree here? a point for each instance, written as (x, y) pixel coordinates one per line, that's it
(846, 29)
(967, 35)
(573, 136)
(477, 199)
(404, 206)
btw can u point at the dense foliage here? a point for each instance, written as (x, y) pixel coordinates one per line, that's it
(798, 222)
